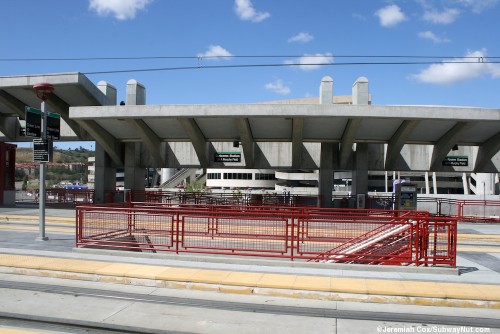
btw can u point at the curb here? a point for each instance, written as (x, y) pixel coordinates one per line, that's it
(271, 292)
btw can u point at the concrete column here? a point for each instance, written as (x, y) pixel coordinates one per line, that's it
(386, 181)
(427, 186)
(134, 173)
(326, 91)
(105, 172)
(360, 95)
(360, 175)
(325, 182)
(105, 175)
(136, 93)
(434, 183)
(109, 90)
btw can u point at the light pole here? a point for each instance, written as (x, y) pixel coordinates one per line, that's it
(42, 90)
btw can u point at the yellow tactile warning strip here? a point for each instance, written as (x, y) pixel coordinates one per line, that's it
(176, 277)
(11, 330)
(35, 228)
(35, 218)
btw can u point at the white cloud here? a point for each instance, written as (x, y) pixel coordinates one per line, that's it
(302, 37)
(311, 62)
(459, 69)
(449, 15)
(120, 9)
(245, 11)
(478, 6)
(358, 16)
(390, 16)
(215, 52)
(432, 37)
(278, 87)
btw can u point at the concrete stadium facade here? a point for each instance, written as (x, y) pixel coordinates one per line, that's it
(353, 136)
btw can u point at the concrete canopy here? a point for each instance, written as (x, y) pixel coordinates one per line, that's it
(71, 89)
(441, 127)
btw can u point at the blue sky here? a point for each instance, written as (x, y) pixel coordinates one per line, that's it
(220, 32)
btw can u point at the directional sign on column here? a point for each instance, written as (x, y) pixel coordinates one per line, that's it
(34, 124)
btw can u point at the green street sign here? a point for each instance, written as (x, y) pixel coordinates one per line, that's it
(33, 118)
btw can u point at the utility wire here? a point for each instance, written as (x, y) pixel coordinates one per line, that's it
(284, 65)
(243, 56)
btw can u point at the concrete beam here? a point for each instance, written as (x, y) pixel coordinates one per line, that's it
(197, 139)
(397, 142)
(348, 138)
(9, 126)
(59, 106)
(247, 141)
(445, 144)
(13, 104)
(297, 141)
(487, 151)
(368, 112)
(153, 143)
(109, 143)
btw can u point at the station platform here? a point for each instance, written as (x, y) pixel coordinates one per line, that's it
(474, 283)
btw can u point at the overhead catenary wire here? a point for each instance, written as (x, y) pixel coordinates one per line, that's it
(278, 65)
(419, 60)
(318, 55)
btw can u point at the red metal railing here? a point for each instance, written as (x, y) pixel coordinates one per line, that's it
(479, 211)
(327, 235)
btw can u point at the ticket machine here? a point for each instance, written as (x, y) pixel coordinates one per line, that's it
(405, 196)
(7, 174)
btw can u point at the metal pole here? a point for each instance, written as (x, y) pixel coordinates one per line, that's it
(41, 190)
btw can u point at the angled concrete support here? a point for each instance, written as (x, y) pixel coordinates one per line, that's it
(446, 143)
(109, 143)
(12, 103)
(197, 138)
(486, 152)
(348, 137)
(297, 141)
(9, 126)
(59, 106)
(397, 142)
(247, 141)
(150, 139)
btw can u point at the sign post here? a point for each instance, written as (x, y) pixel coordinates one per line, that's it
(42, 90)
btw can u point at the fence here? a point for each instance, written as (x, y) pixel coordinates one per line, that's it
(486, 211)
(300, 233)
(58, 197)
